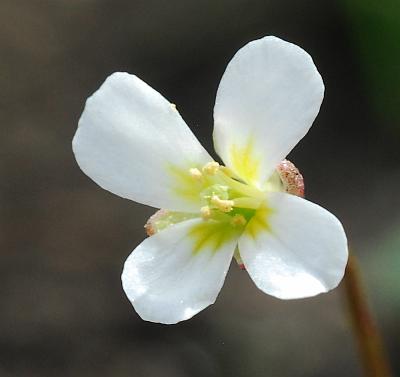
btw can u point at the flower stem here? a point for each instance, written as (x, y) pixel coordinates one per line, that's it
(369, 339)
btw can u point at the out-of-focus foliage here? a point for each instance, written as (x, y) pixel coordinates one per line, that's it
(375, 26)
(386, 258)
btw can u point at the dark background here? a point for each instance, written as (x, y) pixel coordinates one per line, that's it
(64, 240)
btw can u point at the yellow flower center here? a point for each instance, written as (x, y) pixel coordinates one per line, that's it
(227, 205)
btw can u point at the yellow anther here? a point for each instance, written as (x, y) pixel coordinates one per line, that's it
(221, 204)
(238, 220)
(195, 173)
(173, 106)
(211, 168)
(205, 212)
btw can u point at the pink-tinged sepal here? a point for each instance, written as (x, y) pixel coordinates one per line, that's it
(293, 181)
(151, 225)
(163, 218)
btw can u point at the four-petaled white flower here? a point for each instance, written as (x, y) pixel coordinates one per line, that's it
(133, 142)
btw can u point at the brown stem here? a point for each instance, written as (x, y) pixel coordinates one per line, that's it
(369, 339)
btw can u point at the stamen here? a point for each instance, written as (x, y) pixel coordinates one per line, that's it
(243, 188)
(195, 173)
(247, 202)
(205, 212)
(173, 106)
(228, 172)
(211, 168)
(238, 220)
(221, 204)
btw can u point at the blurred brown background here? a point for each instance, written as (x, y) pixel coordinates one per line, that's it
(64, 240)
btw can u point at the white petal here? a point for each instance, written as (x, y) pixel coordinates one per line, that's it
(302, 253)
(267, 100)
(130, 137)
(167, 280)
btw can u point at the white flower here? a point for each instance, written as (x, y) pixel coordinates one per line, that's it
(133, 142)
